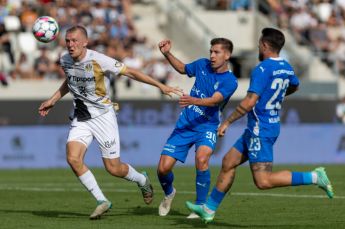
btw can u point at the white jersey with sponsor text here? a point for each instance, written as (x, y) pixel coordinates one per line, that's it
(89, 82)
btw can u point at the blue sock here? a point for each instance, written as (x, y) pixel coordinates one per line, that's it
(215, 199)
(167, 182)
(301, 178)
(202, 185)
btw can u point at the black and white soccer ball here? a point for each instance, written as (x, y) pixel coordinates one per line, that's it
(45, 29)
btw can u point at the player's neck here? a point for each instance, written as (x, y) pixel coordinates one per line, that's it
(221, 69)
(271, 55)
(81, 56)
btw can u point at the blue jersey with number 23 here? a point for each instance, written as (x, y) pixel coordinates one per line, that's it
(269, 80)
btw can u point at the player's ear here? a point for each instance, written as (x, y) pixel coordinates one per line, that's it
(228, 55)
(265, 45)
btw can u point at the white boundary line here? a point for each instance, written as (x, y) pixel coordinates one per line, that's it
(255, 194)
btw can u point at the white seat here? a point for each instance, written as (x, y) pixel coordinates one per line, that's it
(27, 42)
(12, 23)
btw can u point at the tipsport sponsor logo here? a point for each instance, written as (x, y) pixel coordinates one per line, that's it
(81, 79)
(197, 110)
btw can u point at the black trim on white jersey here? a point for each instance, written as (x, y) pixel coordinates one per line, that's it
(81, 111)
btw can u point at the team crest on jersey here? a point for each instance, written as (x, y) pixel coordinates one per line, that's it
(118, 64)
(88, 68)
(216, 85)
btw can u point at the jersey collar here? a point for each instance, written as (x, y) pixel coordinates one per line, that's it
(276, 58)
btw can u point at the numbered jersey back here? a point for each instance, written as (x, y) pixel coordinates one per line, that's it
(269, 80)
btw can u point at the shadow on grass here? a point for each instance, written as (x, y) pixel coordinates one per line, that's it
(140, 211)
(197, 223)
(145, 210)
(47, 213)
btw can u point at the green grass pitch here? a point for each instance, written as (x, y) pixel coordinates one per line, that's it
(54, 198)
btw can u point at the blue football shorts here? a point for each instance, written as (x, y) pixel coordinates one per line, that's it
(257, 149)
(181, 140)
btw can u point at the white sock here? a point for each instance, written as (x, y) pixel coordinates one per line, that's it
(90, 183)
(133, 175)
(314, 177)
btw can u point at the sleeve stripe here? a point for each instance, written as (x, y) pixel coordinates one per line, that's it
(123, 70)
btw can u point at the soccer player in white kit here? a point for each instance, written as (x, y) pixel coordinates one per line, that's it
(88, 78)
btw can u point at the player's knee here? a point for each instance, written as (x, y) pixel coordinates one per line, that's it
(263, 184)
(202, 163)
(227, 165)
(163, 170)
(74, 161)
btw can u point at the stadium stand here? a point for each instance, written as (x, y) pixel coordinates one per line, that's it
(121, 27)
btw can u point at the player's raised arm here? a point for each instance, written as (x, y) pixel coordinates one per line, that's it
(139, 76)
(46, 106)
(165, 46)
(243, 108)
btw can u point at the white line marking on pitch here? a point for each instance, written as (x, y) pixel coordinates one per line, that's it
(35, 189)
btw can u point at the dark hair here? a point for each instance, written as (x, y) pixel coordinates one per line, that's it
(77, 28)
(274, 38)
(226, 43)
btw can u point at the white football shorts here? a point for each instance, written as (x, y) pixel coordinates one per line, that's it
(103, 128)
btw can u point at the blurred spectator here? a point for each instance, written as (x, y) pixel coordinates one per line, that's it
(337, 55)
(6, 55)
(84, 15)
(132, 61)
(161, 70)
(323, 10)
(28, 15)
(43, 65)
(3, 79)
(301, 21)
(5, 44)
(23, 68)
(340, 110)
(319, 38)
(119, 30)
(109, 23)
(4, 10)
(240, 5)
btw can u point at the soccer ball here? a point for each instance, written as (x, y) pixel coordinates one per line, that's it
(45, 29)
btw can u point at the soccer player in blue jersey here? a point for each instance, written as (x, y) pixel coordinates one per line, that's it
(271, 80)
(198, 122)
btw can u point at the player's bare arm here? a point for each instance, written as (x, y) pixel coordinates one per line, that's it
(141, 77)
(187, 100)
(291, 89)
(165, 46)
(46, 106)
(242, 109)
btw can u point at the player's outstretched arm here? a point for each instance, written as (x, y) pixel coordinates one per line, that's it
(243, 108)
(187, 100)
(141, 77)
(46, 106)
(165, 46)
